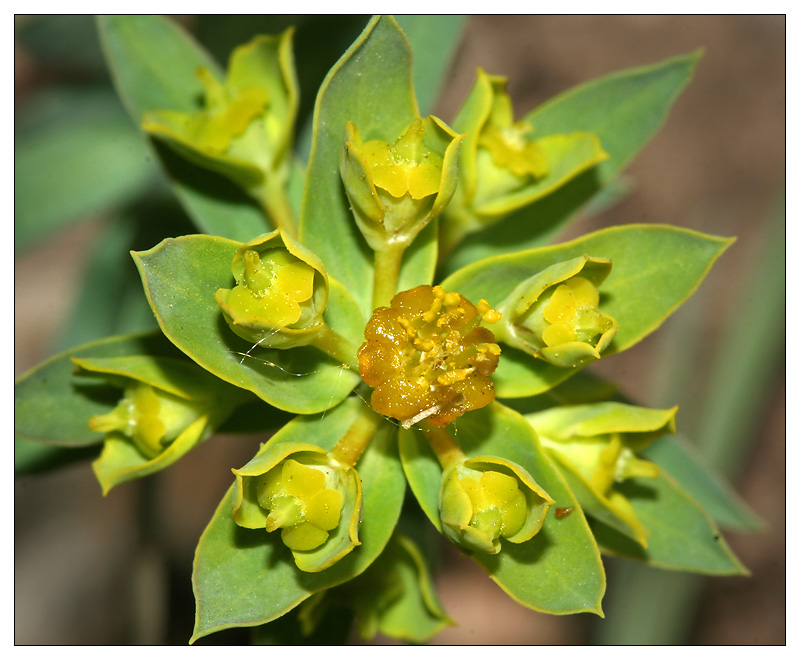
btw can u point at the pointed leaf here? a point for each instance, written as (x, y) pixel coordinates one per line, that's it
(682, 536)
(248, 577)
(371, 86)
(434, 41)
(181, 277)
(559, 570)
(655, 268)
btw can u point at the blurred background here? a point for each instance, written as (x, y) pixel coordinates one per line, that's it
(87, 571)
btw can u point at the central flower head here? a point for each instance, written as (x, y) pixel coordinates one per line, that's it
(428, 357)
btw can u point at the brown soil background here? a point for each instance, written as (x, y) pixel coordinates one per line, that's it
(717, 166)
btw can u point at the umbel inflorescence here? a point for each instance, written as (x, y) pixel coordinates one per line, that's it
(416, 351)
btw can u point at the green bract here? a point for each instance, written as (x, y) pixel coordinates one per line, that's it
(395, 189)
(245, 128)
(310, 496)
(485, 498)
(394, 597)
(168, 406)
(280, 295)
(554, 315)
(503, 167)
(597, 447)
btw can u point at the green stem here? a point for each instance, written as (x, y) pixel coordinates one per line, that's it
(455, 225)
(387, 270)
(353, 443)
(443, 445)
(331, 342)
(275, 203)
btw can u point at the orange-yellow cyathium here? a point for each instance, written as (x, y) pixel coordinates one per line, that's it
(428, 356)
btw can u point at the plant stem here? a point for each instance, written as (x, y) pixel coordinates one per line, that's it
(387, 270)
(455, 224)
(275, 203)
(353, 443)
(331, 342)
(443, 445)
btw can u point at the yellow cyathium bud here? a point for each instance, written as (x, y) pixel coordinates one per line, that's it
(395, 189)
(311, 497)
(487, 498)
(245, 128)
(151, 418)
(280, 295)
(554, 315)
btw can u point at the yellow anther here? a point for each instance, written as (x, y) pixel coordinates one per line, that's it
(434, 310)
(454, 376)
(452, 299)
(424, 345)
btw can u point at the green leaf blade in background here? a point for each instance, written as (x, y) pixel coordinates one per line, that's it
(655, 269)
(154, 64)
(625, 110)
(559, 570)
(248, 577)
(181, 277)
(111, 300)
(53, 406)
(683, 462)
(434, 40)
(86, 160)
(682, 535)
(371, 86)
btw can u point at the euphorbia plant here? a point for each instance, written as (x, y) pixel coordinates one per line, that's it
(417, 366)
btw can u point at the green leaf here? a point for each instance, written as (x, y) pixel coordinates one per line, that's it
(416, 615)
(624, 110)
(559, 570)
(434, 40)
(395, 597)
(153, 64)
(182, 275)
(52, 405)
(584, 387)
(684, 463)
(247, 577)
(682, 536)
(655, 269)
(85, 160)
(371, 86)
(32, 457)
(179, 377)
